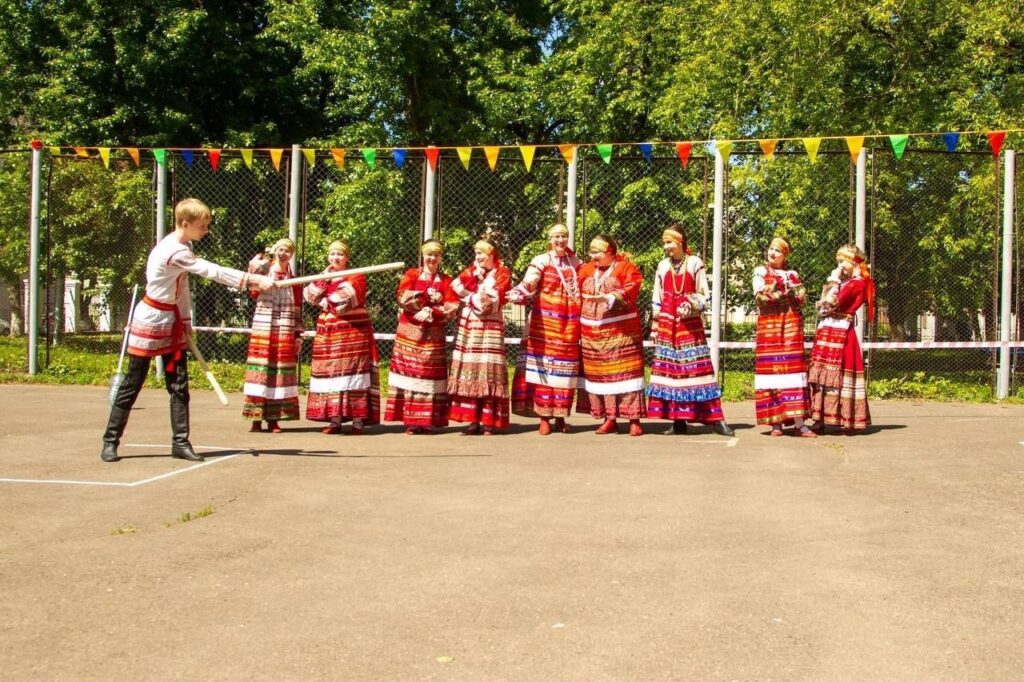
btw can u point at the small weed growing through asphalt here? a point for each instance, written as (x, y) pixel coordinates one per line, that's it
(185, 517)
(124, 530)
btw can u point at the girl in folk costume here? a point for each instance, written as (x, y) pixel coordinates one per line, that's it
(344, 381)
(548, 371)
(478, 379)
(418, 379)
(271, 385)
(836, 377)
(162, 325)
(612, 341)
(683, 386)
(780, 369)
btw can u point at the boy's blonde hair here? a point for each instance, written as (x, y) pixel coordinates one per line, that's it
(191, 210)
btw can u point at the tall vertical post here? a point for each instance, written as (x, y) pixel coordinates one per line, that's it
(161, 227)
(717, 293)
(570, 200)
(429, 201)
(859, 222)
(1009, 171)
(33, 262)
(293, 194)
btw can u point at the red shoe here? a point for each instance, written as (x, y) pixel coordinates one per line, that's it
(488, 431)
(776, 431)
(413, 430)
(635, 429)
(273, 427)
(545, 427)
(609, 426)
(331, 430)
(807, 433)
(256, 427)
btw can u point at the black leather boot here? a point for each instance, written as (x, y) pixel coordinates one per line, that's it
(112, 436)
(181, 448)
(723, 429)
(678, 428)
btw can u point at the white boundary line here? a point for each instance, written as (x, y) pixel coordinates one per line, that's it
(133, 484)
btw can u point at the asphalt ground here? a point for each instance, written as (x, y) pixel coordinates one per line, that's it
(894, 554)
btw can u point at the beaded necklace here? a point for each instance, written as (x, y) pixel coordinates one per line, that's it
(677, 269)
(573, 290)
(599, 280)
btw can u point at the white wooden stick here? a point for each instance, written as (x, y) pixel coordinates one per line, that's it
(335, 275)
(206, 370)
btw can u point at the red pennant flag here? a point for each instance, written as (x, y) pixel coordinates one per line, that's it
(683, 150)
(214, 159)
(432, 154)
(995, 140)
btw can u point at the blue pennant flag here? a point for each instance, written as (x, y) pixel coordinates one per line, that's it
(187, 155)
(399, 156)
(645, 149)
(951, 140)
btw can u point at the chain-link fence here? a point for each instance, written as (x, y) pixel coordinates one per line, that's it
(934, 222)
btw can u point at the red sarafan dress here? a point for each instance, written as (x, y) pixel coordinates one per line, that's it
(836, 376)
(478, 378)
(418, 377)
(344, 384)
(780, 365)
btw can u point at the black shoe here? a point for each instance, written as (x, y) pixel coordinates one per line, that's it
(109, 453)
(678, 428)
(722, 428)
(185, 452)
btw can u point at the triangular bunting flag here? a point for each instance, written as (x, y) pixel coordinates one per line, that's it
(647, 149)
(465, 153)
(82, 151)
(134, 153)
(432, 153)
(854, 143)
(995, 140)
(951, 140)
(605, 152)
(724, 148)
(568, 151)
(246, 157)
(160, 155)
(899, 145)
(214, 155)
(105, 155)
(399, 157)
(492, 156)
(683, 152)
(55, 151)
(811, 144)
(187, 155)
(275, 158)
(339, 157)
(310, 155)
(527, 153)
(369, 156)
(768, 148)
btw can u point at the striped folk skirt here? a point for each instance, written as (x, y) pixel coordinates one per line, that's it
(548, 368)
(418, 379)
(683, 385)
(271, 381)
(780, 368)
(613, 367)
(478, 379)
(344, 383)
(836, 376)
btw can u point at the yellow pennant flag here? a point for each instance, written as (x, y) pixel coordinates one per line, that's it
(527, 153)
(768, 147)
(568, 151)
(854, 143)
(134, 153)
(724, 148)
(811, 144)
(492, 156)
(82, 151)
(105, 155)
(310, 155)
(275, 157)
(55, 151)
(465, 153)
(246, 157)
(339, 157)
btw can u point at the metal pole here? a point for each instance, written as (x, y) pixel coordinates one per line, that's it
(293, 194)
(33, 267)
(1009, 168)
(161, 227)
(428, 202)
(860, 219)
(716, 257)
(570, 203)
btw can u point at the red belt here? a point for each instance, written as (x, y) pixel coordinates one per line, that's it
(177, 330)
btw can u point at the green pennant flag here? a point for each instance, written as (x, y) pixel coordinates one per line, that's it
(605, 151)
(160, 155)
(370, 156)
(899, 145)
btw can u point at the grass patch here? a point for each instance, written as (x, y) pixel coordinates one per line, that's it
(124, 530)
(185, 517)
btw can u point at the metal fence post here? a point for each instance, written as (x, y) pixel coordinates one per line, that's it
(428, 202)
(570, 203)
(33, 266)
(859, 221)
(161, 227)
(1005, 294)
(293, 194)
(717, 295)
